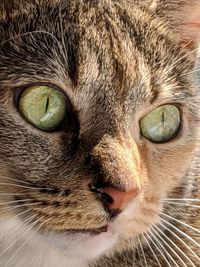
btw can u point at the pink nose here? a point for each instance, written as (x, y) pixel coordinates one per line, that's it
(120, 198)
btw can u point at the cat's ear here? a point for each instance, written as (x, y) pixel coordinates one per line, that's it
(184, 17)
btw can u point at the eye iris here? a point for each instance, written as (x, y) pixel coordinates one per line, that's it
(161, 124)
(43, 107)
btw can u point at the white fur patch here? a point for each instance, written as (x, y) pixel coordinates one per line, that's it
(21, 247)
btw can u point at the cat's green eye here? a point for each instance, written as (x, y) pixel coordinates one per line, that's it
(162, 124)
(43, 106)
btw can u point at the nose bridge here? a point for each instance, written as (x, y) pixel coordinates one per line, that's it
(96, 123)
(118, 160)
(101, 113)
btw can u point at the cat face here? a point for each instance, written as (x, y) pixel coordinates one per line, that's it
(120, 124)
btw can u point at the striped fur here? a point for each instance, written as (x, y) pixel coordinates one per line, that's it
(116, 61)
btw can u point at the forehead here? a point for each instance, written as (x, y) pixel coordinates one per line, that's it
(90, 48)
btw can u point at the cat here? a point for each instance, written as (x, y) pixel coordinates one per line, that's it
(99, 118)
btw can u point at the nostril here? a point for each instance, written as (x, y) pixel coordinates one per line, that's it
(120, 199)
(106, 198)
(113, 199)
(107, 201)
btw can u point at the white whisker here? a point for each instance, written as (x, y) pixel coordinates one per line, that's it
(175, 116)
(177, 237)
(177, 61)
(180, 232)
(156, 258)
(15, 201)
(62, 32)
(5, 209)
(27, 187)
(182, 204)
(143, 254)
(185, 224)
(26, 241)
(175, 245)
(16, 180)
(164, 249)
(46, 232)
(12, 194)
(140, 259)
(192, 72)
(11, 245)
(27, 220)
(36, 32)
(183, 199)
(168, 246)
(21, 213)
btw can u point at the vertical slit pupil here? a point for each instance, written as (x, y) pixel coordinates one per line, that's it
(163, 117)
(47, 105)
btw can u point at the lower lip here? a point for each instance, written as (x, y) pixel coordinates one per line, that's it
(95, 241)
(91, 232)
(98, 231)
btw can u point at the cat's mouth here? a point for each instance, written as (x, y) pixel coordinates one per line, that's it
(91, 232)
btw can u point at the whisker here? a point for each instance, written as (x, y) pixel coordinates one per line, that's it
(183, 199)
(182, 204)
(16, 180)
(5, 209)
(185, 224)
(62, 32)
(143, 254)
(12, 194)
(15, 201)
(46, 232)
(175, 116)
(149, 245)
(164, 249)
(27, 220)
(159, 250)
(27, 187)
(180, 232)
(177, 237)
(180, 251)
(168, 246)
(11, 245)
(29, 238)
(181, 58)
(21, 213)
(36, 32)
(191, 72)
(138, 250)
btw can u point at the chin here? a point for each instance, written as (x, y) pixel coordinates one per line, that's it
(83, 245)
(91, 245)
(77, 248)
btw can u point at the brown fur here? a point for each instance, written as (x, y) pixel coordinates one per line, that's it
(116, 61)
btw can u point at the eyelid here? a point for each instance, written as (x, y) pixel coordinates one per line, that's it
(20, 89)
(151, 109)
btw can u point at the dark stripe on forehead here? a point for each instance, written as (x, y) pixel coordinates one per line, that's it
(156, 46)
(83, 19)
(148, 37)
(141, 32)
